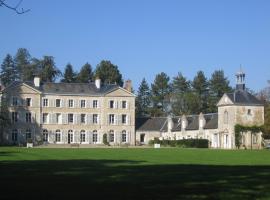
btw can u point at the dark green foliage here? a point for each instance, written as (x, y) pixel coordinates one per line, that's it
(187, 143)
(49, 71)
(69, 74)
(4, 117)
(143, 100)
(108, 73)
(105, 139)
(266, 127)
(86, 74)
(22, 61)
(9, 73)
(160, 91)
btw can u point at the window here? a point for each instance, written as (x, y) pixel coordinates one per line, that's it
(83, 118)
(14, 116)
(124, 136)
(45, 118)
(58, 118)
(226, 117)
(111, 136)
(45, 135)
(28, 117)
(14, 101)
(82, 136)
(70, 103)
(14, 135)
(95, 118)
(28, 102)
(45, 103)
(82, 103)
(142, 137)
(124, 104)
(111, 119)
(249, 112)
(111, 104)
(70, 118)
(95, 136)
(124, 119)
(70, 136)
(95, 103)
(28, 134)
(58, 103)
(57, 136)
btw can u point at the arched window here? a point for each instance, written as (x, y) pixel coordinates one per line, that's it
(70, 136)
(45, 135)
(226, 117)
(95, 136)
(14, 135)
(82, 136)
(124, 136)
(57, 135)
(111, 136)
(28, 134)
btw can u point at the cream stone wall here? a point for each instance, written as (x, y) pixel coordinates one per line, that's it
(148, 135)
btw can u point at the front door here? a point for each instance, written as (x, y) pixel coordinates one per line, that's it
(142, 136)
(70, 138)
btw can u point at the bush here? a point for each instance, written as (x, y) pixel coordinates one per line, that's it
(105, 140)
(187, 143)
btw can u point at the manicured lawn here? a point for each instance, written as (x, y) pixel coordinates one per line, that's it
(134, 174)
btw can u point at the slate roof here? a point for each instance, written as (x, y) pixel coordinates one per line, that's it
(150, 123)
(211, 121)
(243, 97)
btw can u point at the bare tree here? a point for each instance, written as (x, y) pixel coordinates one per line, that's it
(14, 8)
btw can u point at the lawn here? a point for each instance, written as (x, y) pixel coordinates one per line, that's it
(134, 174)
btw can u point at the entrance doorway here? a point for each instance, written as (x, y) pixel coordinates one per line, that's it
(142, 138)
(70, 136)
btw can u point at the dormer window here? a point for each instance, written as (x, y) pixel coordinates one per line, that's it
(249, 112)
(184, 125)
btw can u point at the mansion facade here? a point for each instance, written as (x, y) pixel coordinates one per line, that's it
(83, 113)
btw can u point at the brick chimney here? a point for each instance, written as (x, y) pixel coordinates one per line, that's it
(128, 85)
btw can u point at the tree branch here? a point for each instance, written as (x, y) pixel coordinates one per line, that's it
(15, 8)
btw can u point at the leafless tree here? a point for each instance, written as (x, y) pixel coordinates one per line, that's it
(16, 8)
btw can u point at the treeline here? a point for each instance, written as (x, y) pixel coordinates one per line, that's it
(181, 96)
(23, 67)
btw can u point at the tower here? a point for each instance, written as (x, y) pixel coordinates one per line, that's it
(240, 80)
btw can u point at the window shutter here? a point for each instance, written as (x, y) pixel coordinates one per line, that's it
(64, 118)
(62, 103)
(108, 119)
(98, 122)
(127, 136)
(128, 119)
(127, 105)
(50, 118)
(33, 117)
(115, 119)
(98, 104)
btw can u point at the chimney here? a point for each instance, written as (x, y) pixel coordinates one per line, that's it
(128, 85)
(37, 81)
(98, 83)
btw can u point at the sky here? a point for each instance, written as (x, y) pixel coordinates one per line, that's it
(146, 37)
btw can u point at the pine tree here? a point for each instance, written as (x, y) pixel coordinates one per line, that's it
(9, 72)
(160, 91)
(48, 70)
(69, 74)
(201, 87)
(143, 100)
(108, 73)
(86, 74)
(22, 62)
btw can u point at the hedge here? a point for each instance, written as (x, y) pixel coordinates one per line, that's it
(186, 143)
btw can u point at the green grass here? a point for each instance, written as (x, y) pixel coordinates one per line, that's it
(134, 174)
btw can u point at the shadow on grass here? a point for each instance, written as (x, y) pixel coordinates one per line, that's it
(123, 179)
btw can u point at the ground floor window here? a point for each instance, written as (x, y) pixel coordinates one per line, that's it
(142, 136)
(111, 136)
(82, 136)
(14, 135)
(28, 134)
(45, 135)
(57, 136)
(124, 136)
(95, 136)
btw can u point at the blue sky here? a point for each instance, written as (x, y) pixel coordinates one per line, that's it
(146, 37)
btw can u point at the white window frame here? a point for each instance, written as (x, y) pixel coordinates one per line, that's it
(111, 136)
(82, 100)
(95, 103)
(112, 119)
(70, 114)
(28, 117)
(83, 114)
(45, 102)
(69, 101)
(95, 137)
(83, 136)
(124, 135)
(26, 102)
(60, 105)
(122, 103)
(125, 119)
(47, 118)
(58, 134)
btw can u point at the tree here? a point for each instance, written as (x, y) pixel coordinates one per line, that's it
(143, 100)
(86, 74)
(108, 73)
(200, 86)
(69, 74)
(48, 70)
(9, 72)
(218, 85)
(180, 95)
(266, 129)
(4, 118)
(160, 91)
(14, 8)
(22, 62)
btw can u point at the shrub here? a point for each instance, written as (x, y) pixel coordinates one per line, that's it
(186, 143)
(104, 139)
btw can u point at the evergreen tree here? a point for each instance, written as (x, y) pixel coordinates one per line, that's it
(48, 70)
(160, 91)
(218, 85)
(9, 72)
(22, 62)
(143, 100)
(108, 73)
(266, 134)
(200, 87)
(69, 74)
(86, 74)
